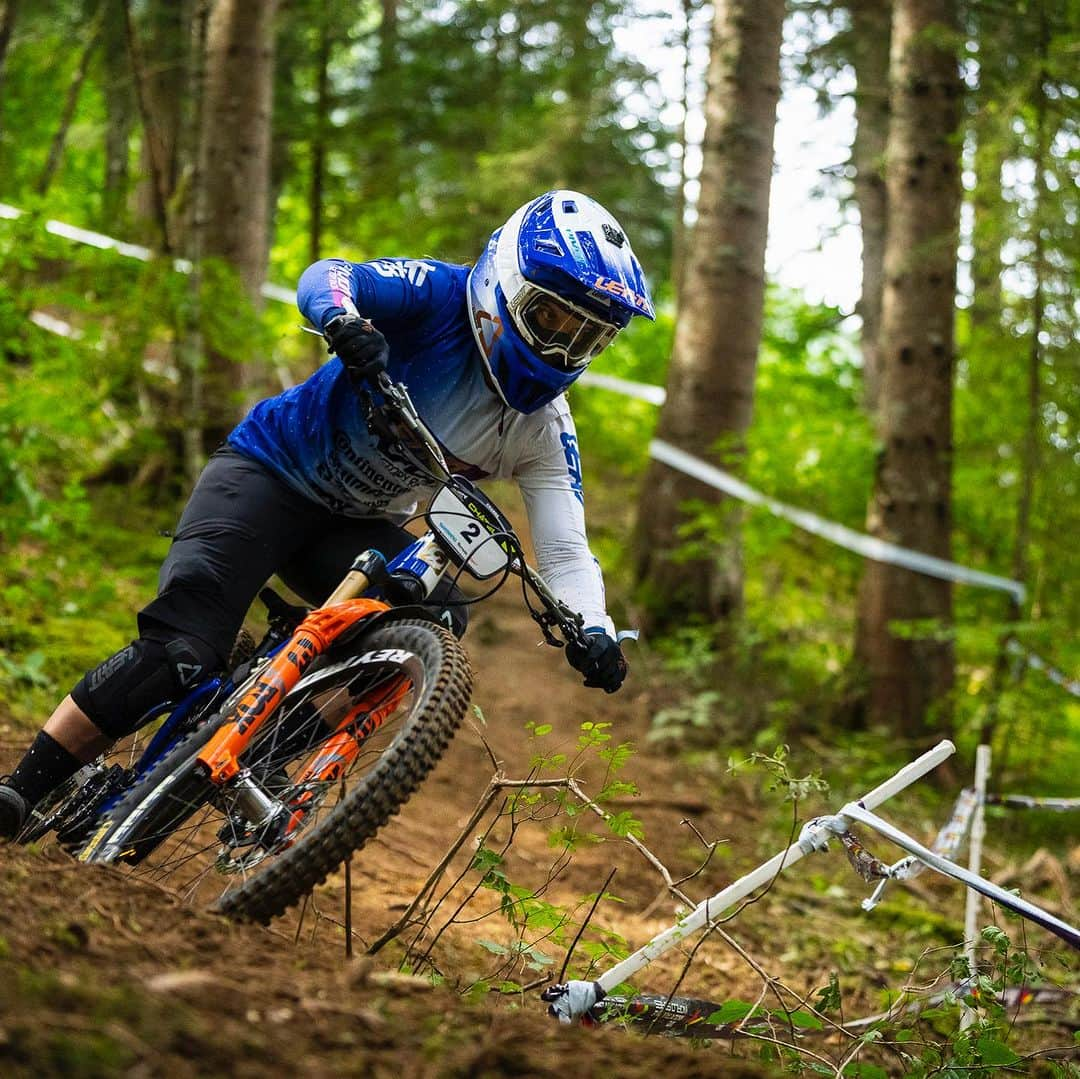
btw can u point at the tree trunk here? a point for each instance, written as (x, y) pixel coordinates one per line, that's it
(1029, 452)
(160, 61)
(986, 230)
(680, 232)
(71, 102)
(188, 340)
(911, 504)
(7, 28)
(318, 142)
(234, 166)
(119, 117)
(871, 22)
(711, 381)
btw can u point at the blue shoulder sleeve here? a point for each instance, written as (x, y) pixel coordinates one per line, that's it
(409, 289)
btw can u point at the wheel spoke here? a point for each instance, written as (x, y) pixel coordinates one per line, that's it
(321, 749)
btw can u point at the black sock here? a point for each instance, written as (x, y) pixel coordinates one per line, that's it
(46, 765)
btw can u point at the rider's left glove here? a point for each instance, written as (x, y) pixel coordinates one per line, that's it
(601, 661)
(361, 348)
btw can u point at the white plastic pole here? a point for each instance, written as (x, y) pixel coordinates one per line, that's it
(744, 886)
(861, 815)
(978, 833)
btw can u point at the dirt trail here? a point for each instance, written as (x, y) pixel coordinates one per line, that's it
(104, 974)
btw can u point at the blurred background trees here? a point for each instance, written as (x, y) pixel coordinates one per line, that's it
(250, 138)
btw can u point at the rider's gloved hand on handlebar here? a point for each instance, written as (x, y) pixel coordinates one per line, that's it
(359, 346)
(601, 661)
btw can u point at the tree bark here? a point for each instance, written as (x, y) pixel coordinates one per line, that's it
(188, 338)
(160, 61)
(711, 380)
(912, 671)
(71, 102)
(318, 141)
(986, 230)
(871, 22)
(234, 166)
(119, 116)
(7, 28)
(680, 232)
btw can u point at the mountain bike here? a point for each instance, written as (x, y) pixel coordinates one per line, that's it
(259, 785)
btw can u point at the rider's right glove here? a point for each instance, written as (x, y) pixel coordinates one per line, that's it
(361, 348)
(601, 661)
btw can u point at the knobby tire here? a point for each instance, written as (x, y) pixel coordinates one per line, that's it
(151, 808)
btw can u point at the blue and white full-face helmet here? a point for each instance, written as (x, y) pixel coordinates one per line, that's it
(552, 289)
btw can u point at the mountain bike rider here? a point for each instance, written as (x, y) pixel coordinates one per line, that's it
(302, 485)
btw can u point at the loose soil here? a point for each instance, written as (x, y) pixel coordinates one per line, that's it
(102, 973)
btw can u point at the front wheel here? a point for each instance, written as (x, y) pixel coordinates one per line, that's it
(342, 753)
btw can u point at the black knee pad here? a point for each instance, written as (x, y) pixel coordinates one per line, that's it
(131, 687)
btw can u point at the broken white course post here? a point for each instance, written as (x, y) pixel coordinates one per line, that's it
(975, 844)
(573, 999)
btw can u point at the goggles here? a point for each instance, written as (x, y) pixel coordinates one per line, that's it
(561, 333)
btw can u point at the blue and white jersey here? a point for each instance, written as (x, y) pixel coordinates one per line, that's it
(314, 437)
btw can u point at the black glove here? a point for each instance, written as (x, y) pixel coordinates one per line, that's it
(359, 346)
(600, 660)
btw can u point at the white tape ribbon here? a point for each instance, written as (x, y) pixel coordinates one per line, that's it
(133, 251)
(1036, 663)
(655, 395)
(878, 550)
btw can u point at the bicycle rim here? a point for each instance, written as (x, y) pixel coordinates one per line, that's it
(362, 728)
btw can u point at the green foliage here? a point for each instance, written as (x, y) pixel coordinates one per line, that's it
(532, 919)
(446, 121)
(775, 765)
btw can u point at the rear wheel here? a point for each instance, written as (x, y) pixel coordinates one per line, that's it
(71, 810)
(343, 752)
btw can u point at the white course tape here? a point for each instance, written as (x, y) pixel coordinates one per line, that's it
(58, 326)
(655, 395)
(868, 546)
(1036, 663)
(134, 251)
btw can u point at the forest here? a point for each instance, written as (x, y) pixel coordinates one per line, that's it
(834, 484)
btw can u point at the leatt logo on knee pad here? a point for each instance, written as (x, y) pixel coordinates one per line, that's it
(104, 671)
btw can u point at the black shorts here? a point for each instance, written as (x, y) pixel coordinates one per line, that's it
(242, 525)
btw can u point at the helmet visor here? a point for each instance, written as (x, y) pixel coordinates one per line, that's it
(561, 333)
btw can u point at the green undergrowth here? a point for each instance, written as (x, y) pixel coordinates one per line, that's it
(69, 590)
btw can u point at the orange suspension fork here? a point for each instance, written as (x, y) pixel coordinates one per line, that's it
(262, 696)
(343, 747)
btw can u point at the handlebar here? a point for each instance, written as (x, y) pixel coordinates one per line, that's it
(396, 417)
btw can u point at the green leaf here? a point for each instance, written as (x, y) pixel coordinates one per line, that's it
(730, 1012)
(828, 998)
(624, 824)
(996, 1054)
(998, 937)
(494, 947)
(805, 1019)
(861, 1070)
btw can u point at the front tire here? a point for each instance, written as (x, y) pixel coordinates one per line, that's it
(184, 831)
